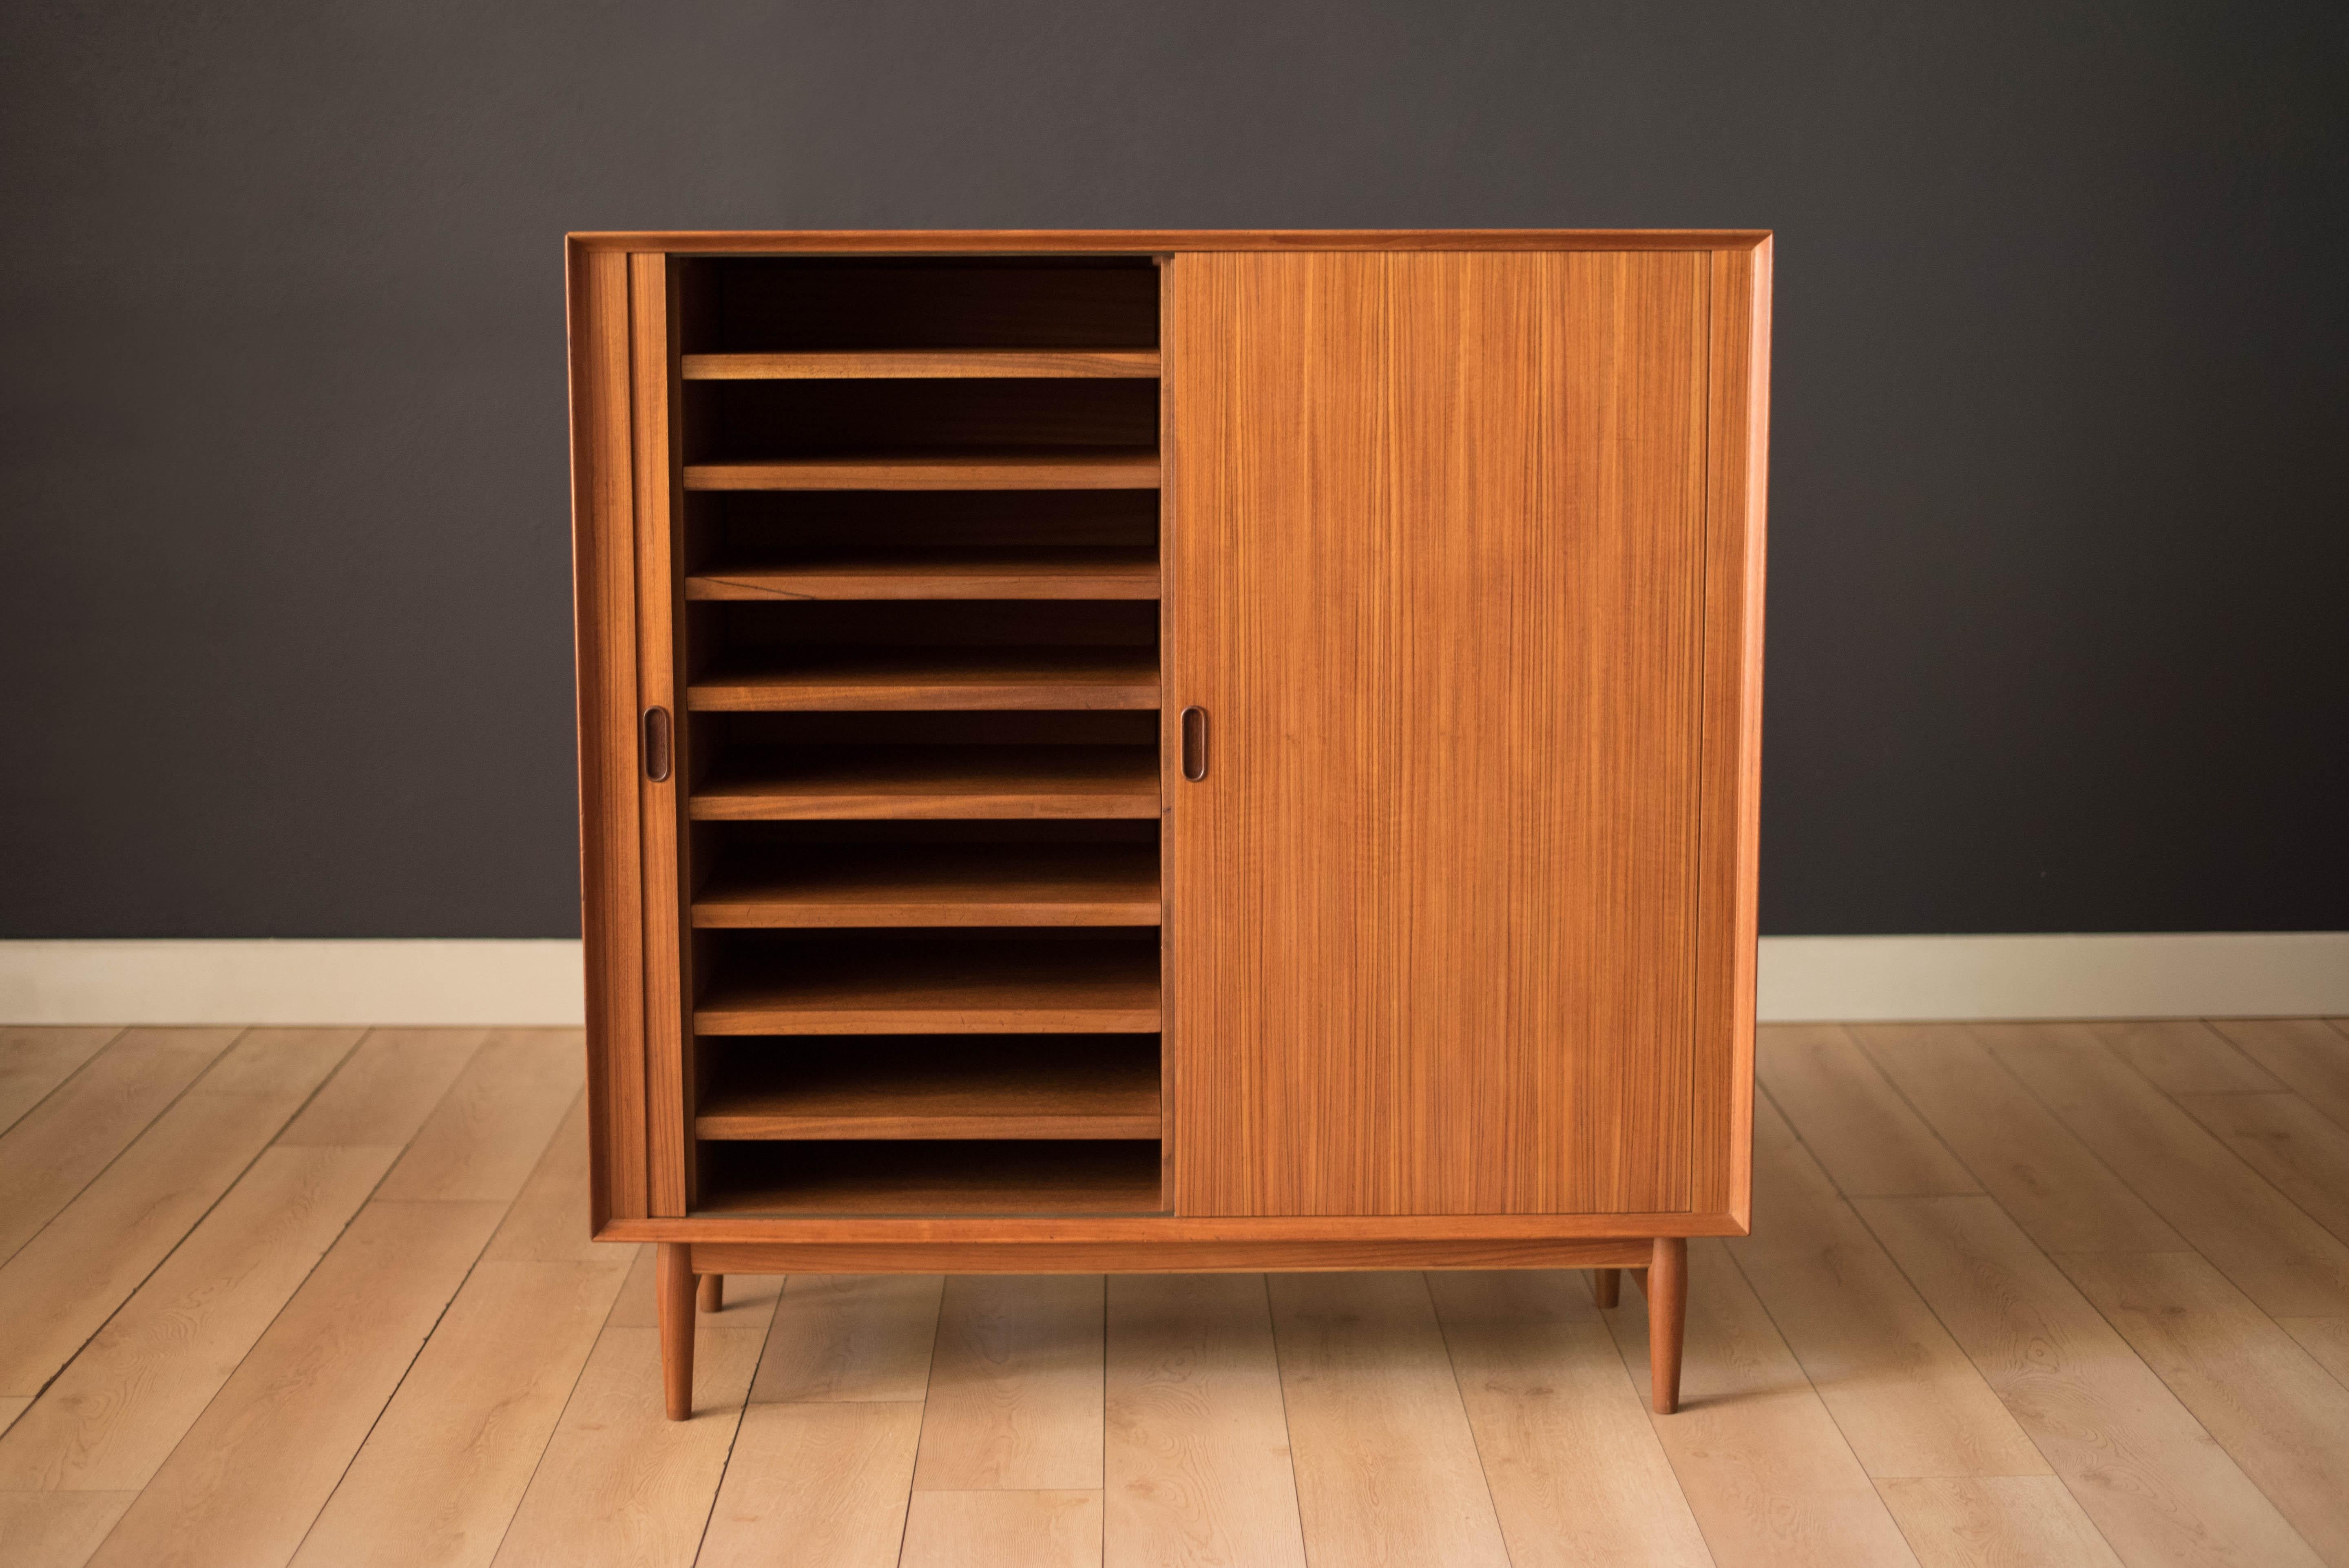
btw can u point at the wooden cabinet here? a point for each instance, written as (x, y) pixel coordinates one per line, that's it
(1169, 750)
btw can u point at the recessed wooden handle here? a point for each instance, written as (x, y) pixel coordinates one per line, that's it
(656, 745)
(1195, 744)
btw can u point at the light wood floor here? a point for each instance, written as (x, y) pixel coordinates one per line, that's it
(2017, 1294)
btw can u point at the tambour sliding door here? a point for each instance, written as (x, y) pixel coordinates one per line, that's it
(1438, 556)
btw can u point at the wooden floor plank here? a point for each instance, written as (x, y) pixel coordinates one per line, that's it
(1906, 1398)
(64, 1284)
(484, 1139)
(2282, 1259)
(35, 1059)
(439, 1479)
(549, 1219)
(1765, 1469)
(56, 1529)
(387, 1088)
(1015, 1391)
(1576, 1474)
(2308, 1056)
(58, 1148)
(1196, 1447)
(817, 1484)
(2184, 1056)
(244, 1484)
(2303, 1153)
(117, 1410)
(11, 1407)
(2062, 1196)
(2159, 1488)
(851, 1337)
(1855, 1123)
(2251, 1385)
(621, 1484)
(2325, 1338)
(1386, 1466)
(1003, 1530)
(1995, 1521)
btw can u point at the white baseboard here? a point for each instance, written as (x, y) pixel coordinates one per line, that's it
(1803, 979)
(2221, 975)
(291, 982)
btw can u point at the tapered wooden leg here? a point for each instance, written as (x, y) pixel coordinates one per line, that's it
(713, 1293)
(674, 1284)
(1667, 1314)
(1607, 1286)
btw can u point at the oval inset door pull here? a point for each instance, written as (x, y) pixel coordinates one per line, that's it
(656, 745)
(1195, 744)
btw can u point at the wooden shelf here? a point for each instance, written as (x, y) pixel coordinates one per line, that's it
(923, 364)
(934, 1178)
(1016, 1086)
(840, 678)
(935, 884)
(1069, 572)
(1102, 468)
(932, 783)
(916, 988)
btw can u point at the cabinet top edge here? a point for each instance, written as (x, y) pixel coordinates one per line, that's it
(787, 242)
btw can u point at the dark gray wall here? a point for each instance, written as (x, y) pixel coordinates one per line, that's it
(2061, 470)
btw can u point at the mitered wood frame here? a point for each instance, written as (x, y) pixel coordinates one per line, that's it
(610, 443)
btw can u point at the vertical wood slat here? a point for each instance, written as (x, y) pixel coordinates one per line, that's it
(668, 984)
(603, 567)
(1721, 1102)
(1170, 730)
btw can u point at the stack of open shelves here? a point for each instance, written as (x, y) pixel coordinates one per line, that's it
(918, 632)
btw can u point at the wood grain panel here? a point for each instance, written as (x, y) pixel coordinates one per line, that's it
(1760, 1460)
(1196, 1466)
(2308, 1055)
(1737, 463)
(1065, 571)
(1144, 241)
(1147, 1255)
(2063, 1196)
(1387, 1470)
(603, 565)
(1578, 1475)
(669, 1074)
(59, 1146)
(922, 364)
(1023, 471)
(928, 783)
(1441, 534)
(1015, 1398)
(850, 1337)
(111, 1418)
(2256, 1391)
(257, 1466)
(1905, 1396)
(2144, 1469)
(816, 1484)
(34, 1060)
(1059, 1529)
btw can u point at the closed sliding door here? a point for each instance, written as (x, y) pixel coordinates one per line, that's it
(1437, 583)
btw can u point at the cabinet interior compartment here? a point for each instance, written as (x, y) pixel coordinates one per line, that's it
(918, 657)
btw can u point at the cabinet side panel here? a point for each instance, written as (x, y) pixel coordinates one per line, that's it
(604, 613)
(1284, 579)
(1721, 1092)
(669, 1038)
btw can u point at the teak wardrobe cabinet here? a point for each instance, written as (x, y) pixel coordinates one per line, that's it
(1114, 751)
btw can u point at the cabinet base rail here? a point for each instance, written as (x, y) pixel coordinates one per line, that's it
(691, 1275)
